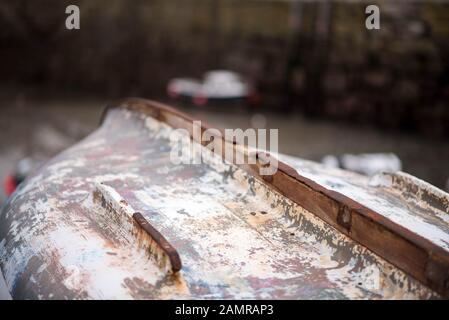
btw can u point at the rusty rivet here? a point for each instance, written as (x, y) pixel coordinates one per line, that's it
(344, 217)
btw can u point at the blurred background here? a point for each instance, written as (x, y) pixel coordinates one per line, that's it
(327, 83)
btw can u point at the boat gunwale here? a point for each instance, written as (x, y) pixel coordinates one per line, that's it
(412, 253)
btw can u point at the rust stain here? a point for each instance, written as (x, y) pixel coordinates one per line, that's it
(171, 252)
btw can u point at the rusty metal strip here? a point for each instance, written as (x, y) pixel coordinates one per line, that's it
(171, 252)
(112, 201)
(396, 244)
(408, 251)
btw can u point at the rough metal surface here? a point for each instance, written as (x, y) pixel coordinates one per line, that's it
(69, 232)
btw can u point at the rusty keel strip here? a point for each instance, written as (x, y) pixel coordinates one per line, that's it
(121, 219)
(169, 250)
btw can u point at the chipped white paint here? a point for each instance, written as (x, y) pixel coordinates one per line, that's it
(237, 238)
(433, 224)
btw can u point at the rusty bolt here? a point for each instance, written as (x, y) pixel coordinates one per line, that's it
(344, 218)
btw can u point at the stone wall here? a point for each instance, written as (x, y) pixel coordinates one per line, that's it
(313, 56)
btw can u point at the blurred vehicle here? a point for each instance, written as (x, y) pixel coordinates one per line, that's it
(367, 163)
(219, 86)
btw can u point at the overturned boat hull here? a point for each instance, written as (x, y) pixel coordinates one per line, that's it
(113, 218)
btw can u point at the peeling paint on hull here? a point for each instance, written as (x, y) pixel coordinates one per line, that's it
(63, 236)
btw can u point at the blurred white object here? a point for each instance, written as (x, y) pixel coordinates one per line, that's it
(223, 84)
(24, 167)
(330, 161)
(183, 86)
(218, 84)
(368, 163)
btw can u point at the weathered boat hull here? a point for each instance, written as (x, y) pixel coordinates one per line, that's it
(113, 218)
